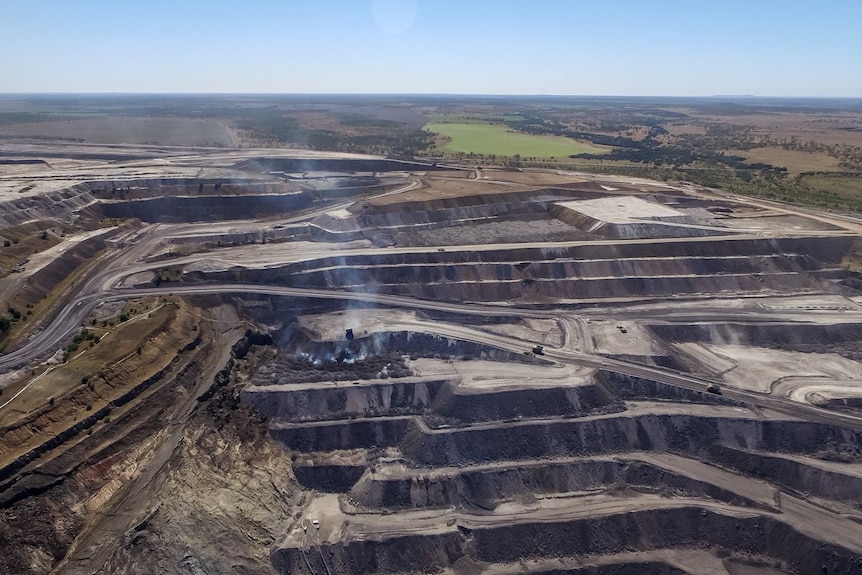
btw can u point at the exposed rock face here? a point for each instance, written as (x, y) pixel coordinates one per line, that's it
(589, 271)
(223, 501)
(647, 530)
(486, 487)
(197, 209)
(588, 445)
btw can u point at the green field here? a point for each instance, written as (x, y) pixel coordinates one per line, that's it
(498, 140)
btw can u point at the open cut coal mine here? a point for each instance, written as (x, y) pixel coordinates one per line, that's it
(463, 475)
(402, 367)
(611, 467)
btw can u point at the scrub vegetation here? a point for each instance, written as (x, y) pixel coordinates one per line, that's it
(796, 150)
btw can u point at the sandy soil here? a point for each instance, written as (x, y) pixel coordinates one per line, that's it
(474, 376)
(817, 390)
(542, 331)
(482, 376)
(332, 326)
(707, 356)
(622, 209)
(777, 222)
(761, 370)
(40, 260)
(609, 339)
(440, 187)
(530, 177)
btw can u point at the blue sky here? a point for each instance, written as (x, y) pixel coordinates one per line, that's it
(598, 47)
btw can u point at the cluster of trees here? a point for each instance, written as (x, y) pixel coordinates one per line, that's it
(273, 128)
(680, 156)
(77, 341)
(15, 316)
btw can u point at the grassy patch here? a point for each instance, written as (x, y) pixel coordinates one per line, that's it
(795, 161)
(844, 186)
(498, 140)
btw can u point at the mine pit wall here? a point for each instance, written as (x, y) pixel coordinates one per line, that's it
(328, 478)
(268, 309)
(346, 434)
(189, 199)
(487, 488)
(14, 488)
(406, 554)
(685, 527)
(585, 271)
(429, 219)
(815, 250)
(527, 200)
(760, 335)
(395, 273)
(459, 406)
(793, 475)
(187, 187)
(597, 289)
(240, 238)
(171, 200)
(633, 531)
(628, 387)
(851, 404)
(668, 361)
(679, 433)
(44, 280)
(439, 399)
(61, 205)
(329, 228)
(340, 401)
(172, 209)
